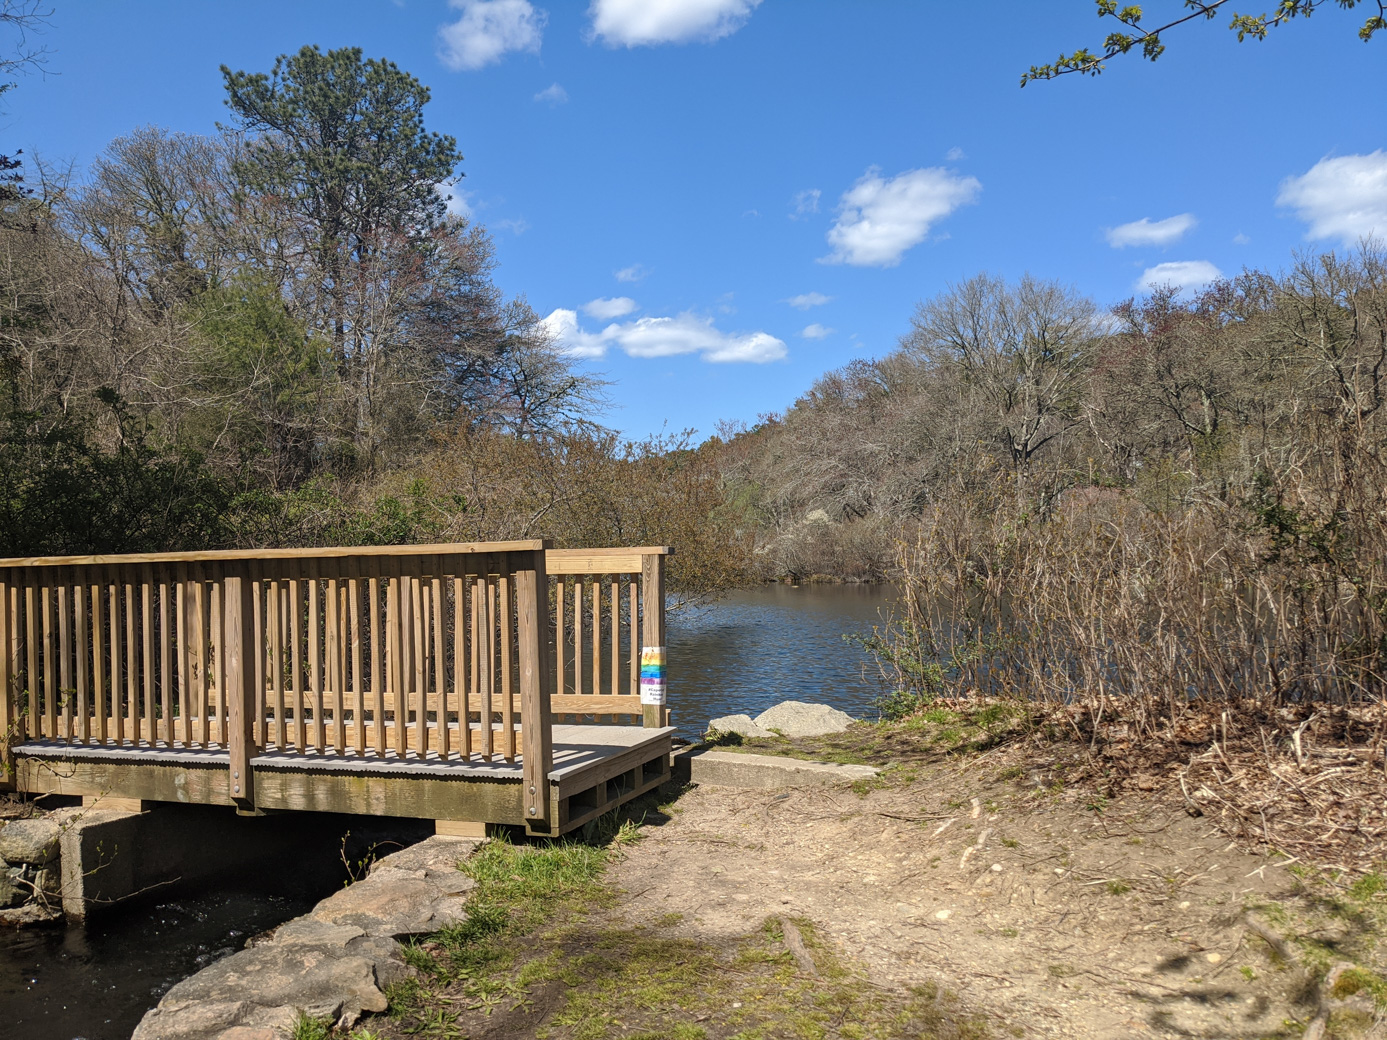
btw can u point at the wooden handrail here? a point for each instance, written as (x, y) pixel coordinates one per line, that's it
(326, 552)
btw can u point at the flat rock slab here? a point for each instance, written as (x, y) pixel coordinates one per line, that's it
(742, 724)
(333, 963)
(765, 772)
(800, 719)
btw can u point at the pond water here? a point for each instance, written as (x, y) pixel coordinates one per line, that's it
(770, 644)
(743, 654)
(97, 982)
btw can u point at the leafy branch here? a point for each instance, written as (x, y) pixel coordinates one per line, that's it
(1090, 63)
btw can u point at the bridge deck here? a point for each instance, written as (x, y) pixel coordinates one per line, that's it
(595, 769)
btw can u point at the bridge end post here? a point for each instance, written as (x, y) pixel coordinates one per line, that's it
(536, 688)
(655, 685)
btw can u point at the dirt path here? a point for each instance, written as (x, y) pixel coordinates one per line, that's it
(1057, 917)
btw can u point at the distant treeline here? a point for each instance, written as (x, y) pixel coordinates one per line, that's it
(1183, 497)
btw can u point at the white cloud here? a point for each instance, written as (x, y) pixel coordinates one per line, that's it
(1240, 239)
(806, 202)
(516, 225)
(456, 200)
(553, 95)
(607, 308)
(806, 300)
(634, 273)
(1148, 232)
(878, 219)
(487, 30)
(636, 23)
(1187, 274)
(1343, 198)
(664, 337)
(816, 331)
(562, 325)
(954, 154)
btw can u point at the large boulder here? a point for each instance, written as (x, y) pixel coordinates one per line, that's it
(799, 719)
(33, 842)
(737, 724)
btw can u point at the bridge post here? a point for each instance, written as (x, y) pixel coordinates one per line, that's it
(654, 686)
(9, 715)
(242, 640)
(536, 687)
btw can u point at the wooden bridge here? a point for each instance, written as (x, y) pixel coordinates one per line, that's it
(472, 684)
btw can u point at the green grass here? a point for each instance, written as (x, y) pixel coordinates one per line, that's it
(307, 1028)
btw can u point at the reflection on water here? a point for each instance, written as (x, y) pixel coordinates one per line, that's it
(780, 642)
(97, 982)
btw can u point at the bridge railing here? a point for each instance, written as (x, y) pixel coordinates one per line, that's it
(608, 624)
(401, 651)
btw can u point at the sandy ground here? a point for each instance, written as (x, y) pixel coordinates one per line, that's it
(1055, 915)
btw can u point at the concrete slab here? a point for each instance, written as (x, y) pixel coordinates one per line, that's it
(762, 772)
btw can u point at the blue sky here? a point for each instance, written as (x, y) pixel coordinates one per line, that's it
(714, 201)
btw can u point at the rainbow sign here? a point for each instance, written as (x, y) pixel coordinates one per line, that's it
(652, 675)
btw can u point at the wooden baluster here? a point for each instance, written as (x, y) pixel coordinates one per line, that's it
(440, 663)
(150, 718)
(183, 614)
(503, 590)
(460, 664)
(98, 601)
(476, 611)
(536, 688)
(377, 655)
(166, 656)
(50, 680)
(315, 654)
(200, 684)
(488, 669)
(559, 635)
(616, 639)
(358, 659)
(398, 671)
(296, 636)
(634, 689)
(577, 637)
(65, 686)
(11, 650)
(214, 703)
(113, 646)
(418, 627)
(243, 645)
(258, 588)
(596, 640)
(9, 704)
(132, 659)
(79, 593)
(31, 649)
(332, 629)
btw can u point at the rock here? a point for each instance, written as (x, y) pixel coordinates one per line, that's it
(798, 719)
(34, 842)
(397, 906)
(253, 987)
(310, 932)
(12, 890)
(28, 915)
(737, 724)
